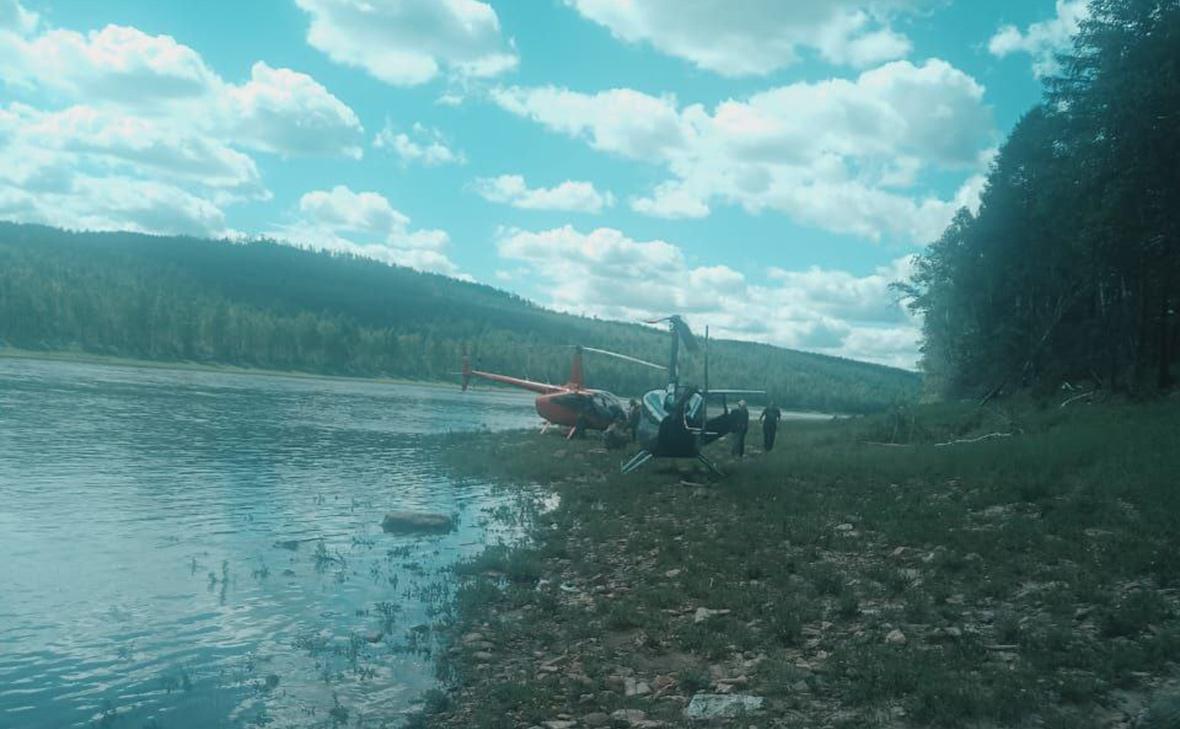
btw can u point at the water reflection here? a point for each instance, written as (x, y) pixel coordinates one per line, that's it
(191, 549)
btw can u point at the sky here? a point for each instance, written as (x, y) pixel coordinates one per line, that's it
(764, 167)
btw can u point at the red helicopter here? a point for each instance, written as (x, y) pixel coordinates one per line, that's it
(572, 405)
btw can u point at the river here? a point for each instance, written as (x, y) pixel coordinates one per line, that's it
(192, 549)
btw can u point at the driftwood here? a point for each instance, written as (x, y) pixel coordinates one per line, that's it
(1076, 397)
(976, 439)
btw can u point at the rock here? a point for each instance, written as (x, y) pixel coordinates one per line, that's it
(702, 614)
(374, 636)
(629, 716)
(846, 527)
(482, 656)
(416, 521)
(672, 573)
(598, 718)
(632, 687)
(559, 724)
(721, 706)
(473, 638)
(896, 637)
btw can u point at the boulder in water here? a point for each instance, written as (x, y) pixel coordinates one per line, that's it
(416, 521)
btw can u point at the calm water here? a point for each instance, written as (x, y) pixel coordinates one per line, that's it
(199, 550)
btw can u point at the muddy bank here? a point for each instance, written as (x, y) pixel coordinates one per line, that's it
(1028, 582)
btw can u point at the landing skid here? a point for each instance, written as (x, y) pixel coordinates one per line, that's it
(637, 460)
(710, 465)
(643, 456)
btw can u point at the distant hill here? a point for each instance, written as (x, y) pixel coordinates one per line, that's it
(262, 304)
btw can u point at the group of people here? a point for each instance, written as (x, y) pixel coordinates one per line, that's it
(625, 430)
(739, 424)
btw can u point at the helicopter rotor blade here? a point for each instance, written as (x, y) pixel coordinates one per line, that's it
(624, 357)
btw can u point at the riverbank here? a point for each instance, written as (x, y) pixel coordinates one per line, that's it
(190, 366)
(858, 575)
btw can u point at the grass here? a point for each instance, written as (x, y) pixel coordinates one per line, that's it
(1033, 577)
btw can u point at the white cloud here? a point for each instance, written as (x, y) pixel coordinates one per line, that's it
(839, 154)
(116, 64)
(365, 224)
(756, 37)
(410, 42)
(84, 202)
(286, 112)
(622, 121)
(607, 274)
(671, 200)
(132, 126)
(571, 196)
(83, 136)
(427, 146)
(277, 110)
(15, 18)
(1043, 40)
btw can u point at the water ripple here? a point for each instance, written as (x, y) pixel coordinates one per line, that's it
(197, 549)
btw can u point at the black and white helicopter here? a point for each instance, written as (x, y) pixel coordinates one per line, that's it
(674, 422)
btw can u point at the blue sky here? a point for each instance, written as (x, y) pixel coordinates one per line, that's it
(763, 166)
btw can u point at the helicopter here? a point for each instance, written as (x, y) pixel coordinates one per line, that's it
(571, 405)
(674, 422)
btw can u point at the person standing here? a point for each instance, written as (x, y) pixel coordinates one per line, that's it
(633, 415)
(740, 419)
(770, 417)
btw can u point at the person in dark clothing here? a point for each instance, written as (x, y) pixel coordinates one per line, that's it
(615, 436)
(633, 415)
(770, 417)
(740, 419)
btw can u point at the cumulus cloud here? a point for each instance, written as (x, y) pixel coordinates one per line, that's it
(277, 110)
(133, 125)
(81, 136)
(15, 18)
(840, 154)
(426, 146)
(365, 224)
(756, 37)
(570, 196)
(608, 274)
(1044, 40)
(286, 112)
(65, 198)
(410, 42)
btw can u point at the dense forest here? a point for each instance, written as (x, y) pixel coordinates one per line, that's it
(266, 305)
(1069, 272)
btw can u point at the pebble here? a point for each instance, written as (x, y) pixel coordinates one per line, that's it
(598, 718)
(630, 716)
(896, 637)
(702, 614)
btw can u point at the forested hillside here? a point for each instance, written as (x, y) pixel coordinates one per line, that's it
(273, 306)
(1070, 270)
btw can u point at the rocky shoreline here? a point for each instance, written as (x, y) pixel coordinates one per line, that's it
(831, 584)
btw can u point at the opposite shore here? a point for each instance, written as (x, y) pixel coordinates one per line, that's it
(857, 575)
(82, 357)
